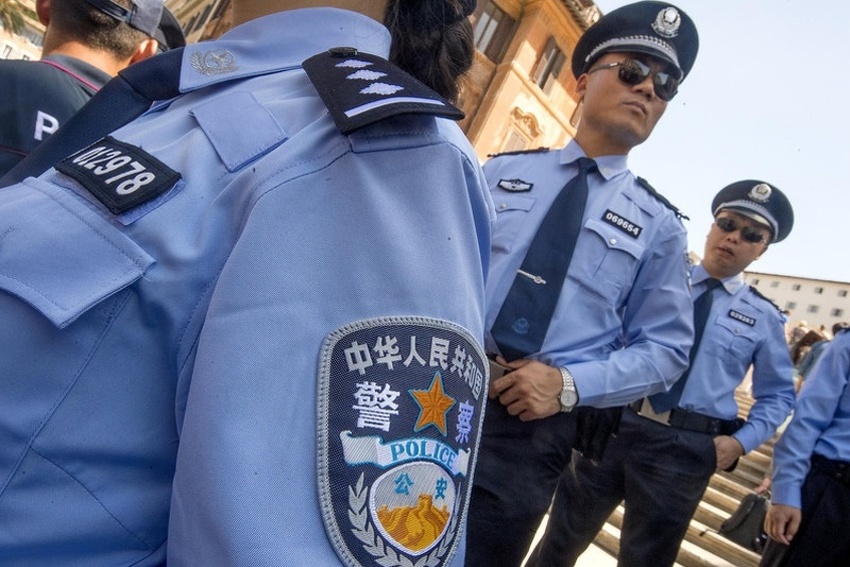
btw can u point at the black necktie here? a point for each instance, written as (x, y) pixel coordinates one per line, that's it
(120, 100)
(664, 401)
(524, 318)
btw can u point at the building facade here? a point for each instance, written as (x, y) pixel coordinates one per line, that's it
(27, 43)
(817, 302)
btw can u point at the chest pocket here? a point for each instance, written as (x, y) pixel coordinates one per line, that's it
(512, 214)
(732, 336)
(62, 258)
(607, 260)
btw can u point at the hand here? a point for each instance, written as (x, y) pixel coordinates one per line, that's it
(764, 487)
(782, 523)
(728, 449)
(531, 390)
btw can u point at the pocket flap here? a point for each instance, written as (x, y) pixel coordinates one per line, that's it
(59, 255)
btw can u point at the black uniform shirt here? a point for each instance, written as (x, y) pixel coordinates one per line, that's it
(36, 97)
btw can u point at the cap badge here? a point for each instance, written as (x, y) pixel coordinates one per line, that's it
(760, 193)
(667, 22)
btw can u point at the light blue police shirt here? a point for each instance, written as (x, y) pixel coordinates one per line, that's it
(743, 329)
(291, 303)
(623, 324)
(821, 423)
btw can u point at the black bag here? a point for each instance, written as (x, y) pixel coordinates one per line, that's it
(746, 525)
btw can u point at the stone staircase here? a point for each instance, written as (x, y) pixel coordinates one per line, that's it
(703, 546)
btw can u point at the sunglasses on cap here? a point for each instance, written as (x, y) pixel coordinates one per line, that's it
(748, 233)
(634, 72)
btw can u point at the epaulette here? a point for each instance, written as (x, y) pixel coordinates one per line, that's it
(759, 294)
(663, 200)
(519, 152)
(360, 89)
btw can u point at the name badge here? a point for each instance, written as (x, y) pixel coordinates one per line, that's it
(622, 223)
(119, 175)
(745, 319)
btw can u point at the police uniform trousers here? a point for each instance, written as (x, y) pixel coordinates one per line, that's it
(518, 469)
(823, 539)
(660, 471)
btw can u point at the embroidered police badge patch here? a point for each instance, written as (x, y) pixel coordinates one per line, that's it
(515, 185)
(400, 410)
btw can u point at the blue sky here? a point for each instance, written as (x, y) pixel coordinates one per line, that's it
(767, 99)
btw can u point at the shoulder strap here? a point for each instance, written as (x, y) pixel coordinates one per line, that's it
(519, 152)
(360, 89)
(663, 200)
(759, 294)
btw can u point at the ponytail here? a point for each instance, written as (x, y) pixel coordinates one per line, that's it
(432, 40)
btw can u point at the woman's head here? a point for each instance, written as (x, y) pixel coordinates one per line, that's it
(432, 40)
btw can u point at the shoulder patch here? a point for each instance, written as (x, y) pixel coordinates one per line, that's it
(360, 89)
(400, 411)
(519, 152)
(759, 294)
(663, 200)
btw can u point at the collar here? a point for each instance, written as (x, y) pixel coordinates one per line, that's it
(90, 77)
(279, 42)
(609, 166)
(731, 284)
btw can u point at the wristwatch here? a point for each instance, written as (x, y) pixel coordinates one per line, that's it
(569, 394)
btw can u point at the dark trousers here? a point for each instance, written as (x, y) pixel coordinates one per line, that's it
(660, 472)
(823, 539)
(519, 464)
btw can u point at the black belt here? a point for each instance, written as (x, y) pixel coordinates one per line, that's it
(692, 421)
(839, 470)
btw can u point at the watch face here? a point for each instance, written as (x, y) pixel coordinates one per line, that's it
(568, 398)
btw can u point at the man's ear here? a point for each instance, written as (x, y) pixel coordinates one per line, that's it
(42, 8)
(581, 85)
(146, 49)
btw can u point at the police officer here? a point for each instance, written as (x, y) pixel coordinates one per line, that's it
(270, 289)
(85, 44)
(810, 505)
(669, 445)
(619, 325)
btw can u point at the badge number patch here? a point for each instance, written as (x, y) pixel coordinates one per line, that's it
(400, 412)
(120, 175)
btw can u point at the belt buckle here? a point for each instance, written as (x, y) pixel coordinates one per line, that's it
(647, 412)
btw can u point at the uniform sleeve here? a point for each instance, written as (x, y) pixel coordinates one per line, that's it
(773, 389)
(816, 406)
(371, 237)
(657, 331)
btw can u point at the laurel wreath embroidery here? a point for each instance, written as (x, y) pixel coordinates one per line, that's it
(373, 545)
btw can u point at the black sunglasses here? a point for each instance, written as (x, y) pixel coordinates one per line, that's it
(748, 233)
(634, 72)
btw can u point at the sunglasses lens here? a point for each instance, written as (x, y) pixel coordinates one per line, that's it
(751, 235)
(633, 72)
(726, 225)
(665, 86)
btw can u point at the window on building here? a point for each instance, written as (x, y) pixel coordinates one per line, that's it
(493, 31)
(837, 312)
(755, 281)
(795, 287)
(813, 309)
(818, 290)
(791, 305)
(7, 50)
(515, 142)
(548, 67)
(774, 284)
(842, 293)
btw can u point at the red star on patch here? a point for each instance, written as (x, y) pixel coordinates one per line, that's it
(433, 404)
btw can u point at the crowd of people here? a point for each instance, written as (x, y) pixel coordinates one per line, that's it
(259, 308)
